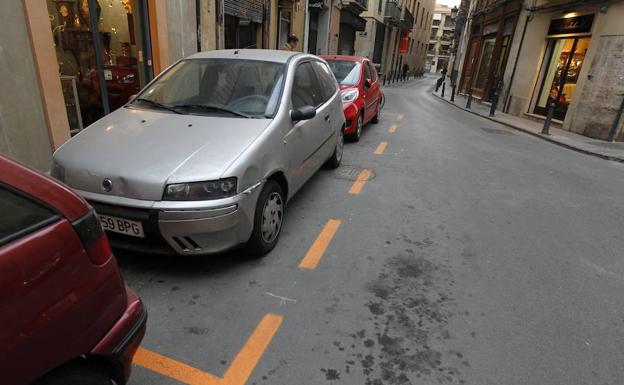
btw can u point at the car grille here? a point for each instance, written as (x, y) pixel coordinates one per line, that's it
(153, 241)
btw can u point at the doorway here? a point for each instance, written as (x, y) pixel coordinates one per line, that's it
(562, 65)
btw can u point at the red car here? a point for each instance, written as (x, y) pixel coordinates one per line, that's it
(67, 317)
(360, 88)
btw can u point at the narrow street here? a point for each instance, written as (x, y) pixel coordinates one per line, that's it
(473, 254)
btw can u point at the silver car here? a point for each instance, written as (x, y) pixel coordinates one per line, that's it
(206, 157)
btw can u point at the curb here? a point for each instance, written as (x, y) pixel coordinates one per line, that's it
(537, 135)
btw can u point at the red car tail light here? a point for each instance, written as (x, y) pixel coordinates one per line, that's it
(90, 232)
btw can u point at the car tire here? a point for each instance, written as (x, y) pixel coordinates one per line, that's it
(336, 158)
(359, 127)
(80, 376)
(270, 207)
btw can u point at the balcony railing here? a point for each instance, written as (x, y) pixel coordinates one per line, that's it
(407, 21)
(393, 13)
(358, 6)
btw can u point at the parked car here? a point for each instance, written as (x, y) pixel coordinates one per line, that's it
(360, 91)
(67, 317)
(205, 158)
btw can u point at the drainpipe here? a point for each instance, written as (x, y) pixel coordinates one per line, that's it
(198, 21)
(616, 122)
(513, 72)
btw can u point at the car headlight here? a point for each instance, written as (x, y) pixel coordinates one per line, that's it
(350, 94)
(200, 191)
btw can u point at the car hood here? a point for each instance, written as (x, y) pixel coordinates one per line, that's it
(141, 151)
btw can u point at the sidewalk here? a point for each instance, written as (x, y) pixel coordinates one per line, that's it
(605, 150)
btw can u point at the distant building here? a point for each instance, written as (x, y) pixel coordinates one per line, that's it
(397, 32)
(442, 39)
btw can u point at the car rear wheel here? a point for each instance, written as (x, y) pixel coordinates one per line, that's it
(80, 376)
(336, 157)
(268, 219)
(359, 126)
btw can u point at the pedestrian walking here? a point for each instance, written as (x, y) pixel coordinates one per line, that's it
(291, 43)
(405, 70)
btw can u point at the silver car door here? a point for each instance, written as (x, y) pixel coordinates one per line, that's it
(305, 137)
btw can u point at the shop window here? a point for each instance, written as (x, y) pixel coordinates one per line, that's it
(123, 63)
(563, 61)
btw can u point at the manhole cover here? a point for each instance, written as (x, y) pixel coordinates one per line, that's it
(351, 172)
(496, 131)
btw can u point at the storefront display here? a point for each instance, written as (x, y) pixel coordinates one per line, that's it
(122, 62)
(562, 63)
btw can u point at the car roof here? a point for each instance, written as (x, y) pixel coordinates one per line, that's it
(270, 55)
(345, 58)
(42, 188)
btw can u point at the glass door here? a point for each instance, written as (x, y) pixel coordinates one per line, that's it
(484, 65)
(565, 58)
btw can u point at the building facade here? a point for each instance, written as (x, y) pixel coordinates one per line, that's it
(441, 44)
(571, 56)
(396, 35)
(490, 35)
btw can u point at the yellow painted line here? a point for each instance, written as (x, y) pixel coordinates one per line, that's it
(381, 148)
(173, 369)
(237, 373)
(400, 117)
(359, 183)
(392, 129)
(246, 360)
(316, 251)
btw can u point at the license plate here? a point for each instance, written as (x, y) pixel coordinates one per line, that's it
(122, 225)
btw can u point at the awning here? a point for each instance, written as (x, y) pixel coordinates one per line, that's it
(350, 18)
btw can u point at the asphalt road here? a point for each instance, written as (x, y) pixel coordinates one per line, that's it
(473, 255)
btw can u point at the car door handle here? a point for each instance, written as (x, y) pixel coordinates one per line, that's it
(327, 118)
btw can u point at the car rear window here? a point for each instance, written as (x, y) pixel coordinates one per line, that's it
(19, 215)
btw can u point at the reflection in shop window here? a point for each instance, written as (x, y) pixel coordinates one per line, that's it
(119, 32)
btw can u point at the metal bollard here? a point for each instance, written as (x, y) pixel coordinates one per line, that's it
(469, 101)
(443, 87)
(549, 116)
(453, 92)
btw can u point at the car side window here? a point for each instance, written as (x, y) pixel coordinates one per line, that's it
(306, 90)
(367, 72)
(327, 80)
(20, 215)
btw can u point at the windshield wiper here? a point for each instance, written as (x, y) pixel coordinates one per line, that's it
(159, 105)
(212, 107)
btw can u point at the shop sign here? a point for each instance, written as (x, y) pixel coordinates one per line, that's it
(404, 45)
(316, 5)
(571, 25)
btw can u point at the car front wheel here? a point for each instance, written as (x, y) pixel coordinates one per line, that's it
(336, 158)
(268, 219)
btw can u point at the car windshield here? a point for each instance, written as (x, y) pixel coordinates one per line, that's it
(229, 87)
(346, 72)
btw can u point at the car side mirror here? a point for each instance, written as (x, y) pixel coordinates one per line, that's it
(303, 113)
(367, 83)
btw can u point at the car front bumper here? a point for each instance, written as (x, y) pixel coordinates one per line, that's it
(351, 112)
(186, 228)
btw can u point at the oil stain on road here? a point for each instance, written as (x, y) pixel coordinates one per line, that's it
(409, 312)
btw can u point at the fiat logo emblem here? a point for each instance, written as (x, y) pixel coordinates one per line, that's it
(107, 185)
